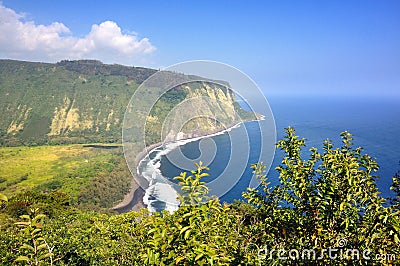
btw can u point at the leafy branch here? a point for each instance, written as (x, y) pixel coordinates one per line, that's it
(194, 190)
(35, 246)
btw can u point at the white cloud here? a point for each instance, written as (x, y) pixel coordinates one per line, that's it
(25, 40)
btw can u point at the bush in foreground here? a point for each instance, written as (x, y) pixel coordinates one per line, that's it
(325, 210)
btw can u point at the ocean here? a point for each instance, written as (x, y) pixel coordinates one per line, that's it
(374, 123)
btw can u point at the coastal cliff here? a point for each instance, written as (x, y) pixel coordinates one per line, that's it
(207, 108)
(84, 101)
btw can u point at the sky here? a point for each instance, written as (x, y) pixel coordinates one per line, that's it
(344, 48)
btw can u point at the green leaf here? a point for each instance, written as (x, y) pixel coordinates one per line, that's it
(25, 217)
(23, 258)
(151, 230)
(199, 256)
(187, 215)
(185, 228)
(28, 247)
(47, 255)
(178, 259)
(3, 197)
(34, 232)
(22, 223)
(42, 246)
(39, 217)
(187, 234)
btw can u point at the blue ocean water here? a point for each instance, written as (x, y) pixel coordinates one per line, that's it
(374, 122)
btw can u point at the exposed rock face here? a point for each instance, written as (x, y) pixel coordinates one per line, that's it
(85, 101)
(19, 119)
(78, 101)
(67, 118)
(206, 109)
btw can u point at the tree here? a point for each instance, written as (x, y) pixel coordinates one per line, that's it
(396, 189)
(328, 200)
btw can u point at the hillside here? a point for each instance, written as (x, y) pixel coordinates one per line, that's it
(78, 102)
(84, 101)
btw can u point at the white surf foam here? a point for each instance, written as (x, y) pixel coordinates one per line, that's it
(160, 188)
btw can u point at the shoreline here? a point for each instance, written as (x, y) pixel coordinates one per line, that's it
(134, 199)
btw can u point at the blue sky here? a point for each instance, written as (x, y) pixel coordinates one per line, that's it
(287, 47)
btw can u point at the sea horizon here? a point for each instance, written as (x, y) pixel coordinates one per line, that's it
(371, 120)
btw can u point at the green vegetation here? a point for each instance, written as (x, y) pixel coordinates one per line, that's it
(326, 201)
(94, 178)
(27, 167)
(3, 197)
(44, 108)
(193, 190)
(68, 102)
(35, 246)
(396, 188)
(85, 101)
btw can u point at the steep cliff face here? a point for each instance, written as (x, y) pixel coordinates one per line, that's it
(208, 107)
(85, 101)
(77, 101)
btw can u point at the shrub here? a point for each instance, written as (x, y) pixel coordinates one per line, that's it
(327, 200)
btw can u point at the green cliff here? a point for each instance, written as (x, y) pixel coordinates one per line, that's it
(85, 101)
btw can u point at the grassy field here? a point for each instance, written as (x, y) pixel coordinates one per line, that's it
(70, 169)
